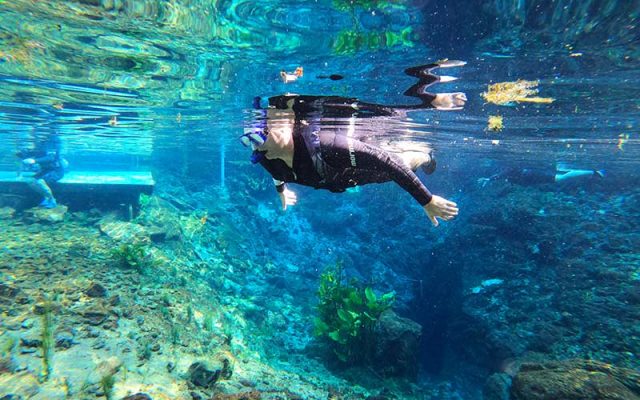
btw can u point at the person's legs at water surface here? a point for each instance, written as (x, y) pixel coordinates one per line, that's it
(40, 184)
(564, 173)
(415, 157)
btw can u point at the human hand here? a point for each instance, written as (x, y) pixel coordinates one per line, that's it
(28, 161)
(288, 198)
(449, 101)
(441, 208)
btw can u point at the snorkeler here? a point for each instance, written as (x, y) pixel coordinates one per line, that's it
(294, 145)
(47, 166)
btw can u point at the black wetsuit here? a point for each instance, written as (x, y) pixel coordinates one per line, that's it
(337, 158)
(340, 157)
(48, 159)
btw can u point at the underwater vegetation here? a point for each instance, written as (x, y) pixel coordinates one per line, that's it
(347, 316)
(106, 384)
(132, 255)
(47, 341)
(505, 93)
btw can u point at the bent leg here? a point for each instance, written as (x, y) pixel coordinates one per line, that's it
(40, 186)
(573, 174)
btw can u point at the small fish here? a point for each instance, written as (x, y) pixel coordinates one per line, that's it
(204, 219)
(179, 118)
(333, 77)
(113, 121)
(58, 106)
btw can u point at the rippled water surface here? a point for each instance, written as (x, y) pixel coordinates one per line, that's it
(184, 72)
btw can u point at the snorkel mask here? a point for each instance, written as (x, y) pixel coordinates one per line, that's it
(256, 135)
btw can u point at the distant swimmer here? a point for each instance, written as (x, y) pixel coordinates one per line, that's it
(527, 176)
(46, 165)
(319, 141)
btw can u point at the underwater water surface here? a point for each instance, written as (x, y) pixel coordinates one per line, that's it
(169, 271)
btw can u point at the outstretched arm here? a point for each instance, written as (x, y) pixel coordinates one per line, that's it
(370, 163)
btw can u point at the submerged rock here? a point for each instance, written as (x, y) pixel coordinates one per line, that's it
(397, 346)
(7, 292)
(46, 215)
(18, 386)
(96, 290)
(497, 387)
(6, 213)
(64, 340)
(138, 396)
(122, 231)
(200, 375)
(7, 350)
(95, 316)
(575, 380)
(247, 395)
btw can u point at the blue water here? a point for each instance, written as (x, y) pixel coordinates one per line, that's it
(529, 271)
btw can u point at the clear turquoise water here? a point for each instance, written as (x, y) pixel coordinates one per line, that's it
(167, 86)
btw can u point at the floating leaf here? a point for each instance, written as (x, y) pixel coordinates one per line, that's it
(505, 93)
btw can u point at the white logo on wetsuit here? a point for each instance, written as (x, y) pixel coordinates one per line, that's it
(350, 131)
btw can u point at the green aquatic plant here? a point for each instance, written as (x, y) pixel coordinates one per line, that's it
(174, 333)
(46, 341)
(347, 316)
(189, 314)
(132, 255)
(106, 384)
(207, 323)
(144, 200)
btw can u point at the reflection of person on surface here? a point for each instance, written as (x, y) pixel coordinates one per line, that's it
(295, 144)
(47, 166)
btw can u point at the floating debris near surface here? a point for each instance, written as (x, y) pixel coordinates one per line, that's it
(622, 139)
(495, 123)
(521, 91)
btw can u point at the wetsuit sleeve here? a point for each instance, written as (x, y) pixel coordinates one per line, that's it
(280, 185)
(343, 152)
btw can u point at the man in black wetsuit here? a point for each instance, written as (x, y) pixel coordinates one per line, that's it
(47, 165)
(295, 144)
